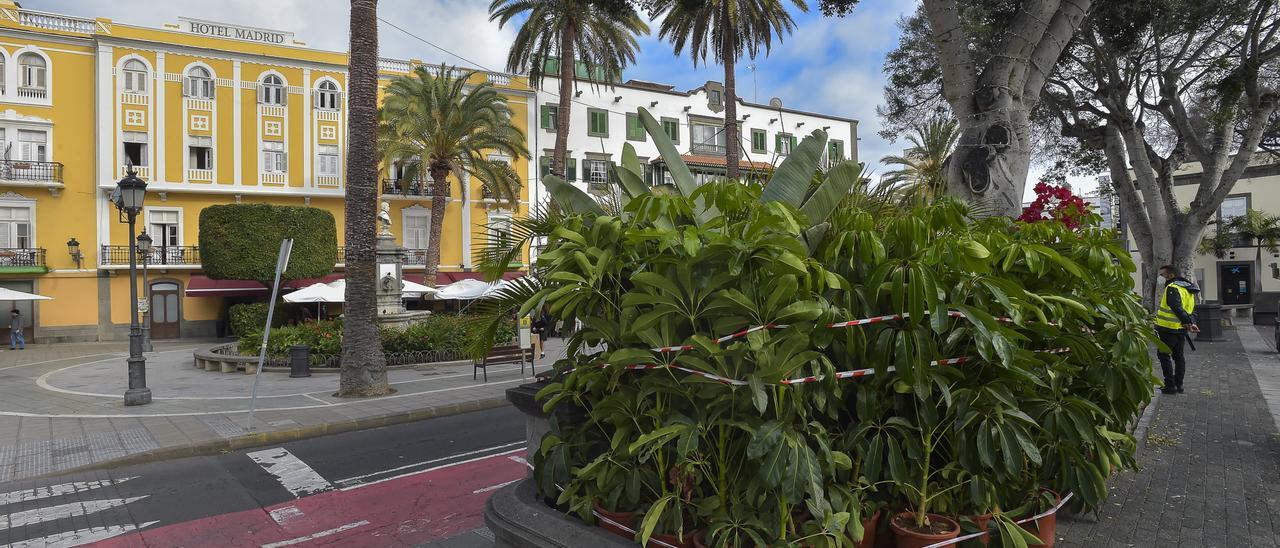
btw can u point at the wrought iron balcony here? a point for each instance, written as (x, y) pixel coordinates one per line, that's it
(415, 256)
(26, 170)
(488, 193)
(21, 257)
(406, 187)
(170, 255)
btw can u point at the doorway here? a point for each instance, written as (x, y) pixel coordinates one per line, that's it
(25, 308)
(166, 316)
(1235, 284)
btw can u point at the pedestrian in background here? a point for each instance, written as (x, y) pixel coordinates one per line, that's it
(15, 331)
(1174, 319)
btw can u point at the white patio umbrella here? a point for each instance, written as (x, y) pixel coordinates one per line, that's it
(414, 290)
(12, 295)
(464, 290)
(332, 292)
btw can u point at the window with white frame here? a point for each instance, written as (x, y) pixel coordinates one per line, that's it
(708, 139)
(327, 95)
(597, 171)
(164, 225)
(417, 229)
(327, 160)
(15, 226)
(198, 84)
(274, 158)
(200, 152)
(33, 145)
(135, 76)
(135, 148)
(499, 229)
(33, 71)
(271, 91)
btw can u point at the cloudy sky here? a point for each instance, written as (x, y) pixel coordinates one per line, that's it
(828, 65)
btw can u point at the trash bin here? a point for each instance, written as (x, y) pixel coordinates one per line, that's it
(299, 361)
(1209, 318)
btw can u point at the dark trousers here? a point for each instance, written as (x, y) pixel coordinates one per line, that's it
(1173, 364)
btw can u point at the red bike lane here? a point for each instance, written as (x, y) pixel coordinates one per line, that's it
(406, 510)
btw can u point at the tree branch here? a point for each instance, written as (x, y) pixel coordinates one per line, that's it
(1062, 27)
(958, 71)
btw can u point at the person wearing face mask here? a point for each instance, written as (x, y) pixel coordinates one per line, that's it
(1174, 319)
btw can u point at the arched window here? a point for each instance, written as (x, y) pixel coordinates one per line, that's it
(271, 91)
(199, 83)
(327, 95)
(33, 72)
(135, 76)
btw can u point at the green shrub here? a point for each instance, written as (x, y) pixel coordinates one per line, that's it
(247, 317)
(242, 241)
(438, 332)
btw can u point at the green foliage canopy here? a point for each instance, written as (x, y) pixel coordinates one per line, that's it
(242, 241)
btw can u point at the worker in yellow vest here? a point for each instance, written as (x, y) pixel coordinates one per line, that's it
(1174, 319)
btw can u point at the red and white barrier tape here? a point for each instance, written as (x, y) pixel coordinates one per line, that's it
(963, 538)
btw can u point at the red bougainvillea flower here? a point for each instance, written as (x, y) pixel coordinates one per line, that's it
(1056, 203)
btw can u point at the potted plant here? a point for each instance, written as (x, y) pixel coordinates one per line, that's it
(923, 479)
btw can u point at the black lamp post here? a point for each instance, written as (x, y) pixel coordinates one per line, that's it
(144, 247)
(127, 197)
(73, 247)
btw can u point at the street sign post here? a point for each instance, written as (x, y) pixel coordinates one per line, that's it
(282, 263)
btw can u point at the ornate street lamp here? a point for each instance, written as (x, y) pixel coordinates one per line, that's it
(127, 197)
(73, 247)
(144, 247)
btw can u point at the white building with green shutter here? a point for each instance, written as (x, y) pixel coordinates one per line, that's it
(604, 119)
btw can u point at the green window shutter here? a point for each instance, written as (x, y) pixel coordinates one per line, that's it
(572, 172)
(546, 117)
(757, 141)
(598, 123)
(635, 132)
(777, 143)
(544, 165)
(671, 127)
(793, 142)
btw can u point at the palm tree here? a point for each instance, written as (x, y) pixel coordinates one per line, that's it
(364, 368)
(727, 29)
(601, 34)
(921, 176)
(438, 124)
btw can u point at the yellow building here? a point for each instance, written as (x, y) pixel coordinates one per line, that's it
(208, 113)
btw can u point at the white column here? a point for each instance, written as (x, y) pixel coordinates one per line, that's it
(237, 138)
(157, 120)
(104, 138)
(466, 221)
(306, 129)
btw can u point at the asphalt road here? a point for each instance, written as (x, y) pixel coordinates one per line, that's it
(403, 485)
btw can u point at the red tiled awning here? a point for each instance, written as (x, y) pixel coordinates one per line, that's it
(203, 286)
(446, 278)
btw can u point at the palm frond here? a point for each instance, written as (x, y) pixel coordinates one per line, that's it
(516, 299)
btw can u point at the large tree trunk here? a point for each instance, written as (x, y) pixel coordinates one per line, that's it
(993, 155)
(729, 55)
(568, 62)
(364, 368)
(439, 190)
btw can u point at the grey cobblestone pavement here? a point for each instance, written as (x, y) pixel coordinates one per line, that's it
(61, 406)
(1209, 468)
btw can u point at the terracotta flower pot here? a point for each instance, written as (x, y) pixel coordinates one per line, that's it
(981, 522)
(868, 531)
(1046, 528)
(907, 536)
(614, 522)
(673, 540)
(700, 538)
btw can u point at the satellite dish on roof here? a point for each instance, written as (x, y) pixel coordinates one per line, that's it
(775, 102)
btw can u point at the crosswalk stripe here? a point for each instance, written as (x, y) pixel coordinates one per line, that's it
(295, 475)
(80, 536)
(41, 515)
(14, 497)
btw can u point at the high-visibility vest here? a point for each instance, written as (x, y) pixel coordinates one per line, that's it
(1164, 316)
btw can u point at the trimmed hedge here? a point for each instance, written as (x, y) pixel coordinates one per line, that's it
(249, 317)
(241, 241)
(438, 332)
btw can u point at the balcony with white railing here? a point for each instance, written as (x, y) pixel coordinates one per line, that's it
(31, 92)
(328, 181)
(399, 65)
(135, 99)
(272, 110)
(328, 115)
(394, 65)
(275, 178)
(199, 175)
(53, 21)
(144, 172)
(199, 104)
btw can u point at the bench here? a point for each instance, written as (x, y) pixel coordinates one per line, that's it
(499, 355)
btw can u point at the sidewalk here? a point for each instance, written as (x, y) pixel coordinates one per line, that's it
(61, 406)
(1209, 466)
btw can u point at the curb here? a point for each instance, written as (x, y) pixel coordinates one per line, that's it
(282, 436)
(1144, 421)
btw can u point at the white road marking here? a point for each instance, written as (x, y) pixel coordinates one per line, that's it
(41, 515)
(356, 479)
(432, 469)
(292, 473)
(521, 460)
(494, 487)
(314, 536)
(309, 396)
(80, 536)
(281, 515)
(56, 490)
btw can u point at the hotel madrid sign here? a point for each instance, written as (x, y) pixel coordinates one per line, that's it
(235, 32)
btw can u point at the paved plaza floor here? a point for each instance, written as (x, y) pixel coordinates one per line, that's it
(1209, 459)
(62, 406)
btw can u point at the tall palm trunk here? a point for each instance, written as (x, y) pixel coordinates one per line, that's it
(567, 66)
(364, 368)
(439, 190)
(729, 56)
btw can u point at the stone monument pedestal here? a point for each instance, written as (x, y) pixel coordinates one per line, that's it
(390, 294)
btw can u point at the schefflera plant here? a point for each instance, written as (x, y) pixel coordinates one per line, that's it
(681, 264)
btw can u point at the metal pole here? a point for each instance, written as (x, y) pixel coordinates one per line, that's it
(146, 294)
(282, 262)
(138, 393)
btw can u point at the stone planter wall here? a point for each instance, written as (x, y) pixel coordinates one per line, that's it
(227, 359)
